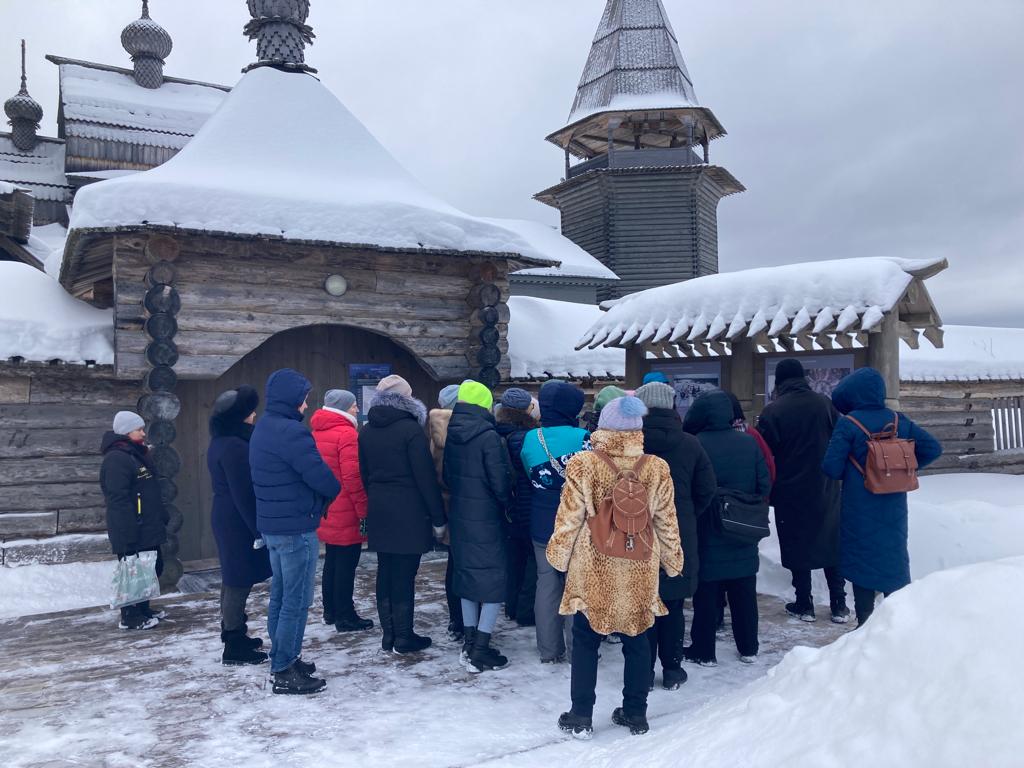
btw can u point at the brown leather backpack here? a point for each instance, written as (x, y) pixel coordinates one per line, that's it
(622, 526)
(891, 464)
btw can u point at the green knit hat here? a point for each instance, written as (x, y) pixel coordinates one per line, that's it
(606, 395)
(475, 393)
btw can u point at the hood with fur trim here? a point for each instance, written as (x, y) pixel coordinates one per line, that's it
(388, 407)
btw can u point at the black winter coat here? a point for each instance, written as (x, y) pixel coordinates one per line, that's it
(479, 476)
(695, 489)
(739, 465)
(399, 477)
(136, 517)
(234, 505)
(513, 426)
(797, 427)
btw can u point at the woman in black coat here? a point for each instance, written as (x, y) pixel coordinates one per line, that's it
(513, 424)
(479, 476)
(404, 498)
(695, 489)
(798, 426)
(234, 520)
(725, 565)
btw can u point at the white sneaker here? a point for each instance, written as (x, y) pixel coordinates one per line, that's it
(748, 659)
(145, 624)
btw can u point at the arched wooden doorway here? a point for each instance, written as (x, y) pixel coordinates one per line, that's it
(323, 353)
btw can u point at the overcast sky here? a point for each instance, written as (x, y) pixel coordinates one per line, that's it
(875, 128)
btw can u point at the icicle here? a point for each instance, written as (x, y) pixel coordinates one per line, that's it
(871, 318)
(717, 327)
(779, 323)
(700, 326)
(801, 321)
(847, 318)
(757, 324)
(738, 324)
(824, 319)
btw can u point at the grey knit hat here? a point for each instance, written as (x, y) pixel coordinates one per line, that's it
(339, 399)
(517, 399)
(126, 422)
(657, 395)
(448, 397)
(624, 414)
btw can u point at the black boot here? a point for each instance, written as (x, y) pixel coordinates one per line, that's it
(133, 618)
(671, 679)
(637, 724)
(238, 651)
(353, 623)
(801, 609)
(840, 613)
(483, 657)
(579, 726)
(305, 667)
(294, 681)
(149, 612)
(406, 640)
(254, 643)
(468, 638)
(387, 624)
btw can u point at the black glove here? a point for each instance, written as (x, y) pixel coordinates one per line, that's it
(362, 527)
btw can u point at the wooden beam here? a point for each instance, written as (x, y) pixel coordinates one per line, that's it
(909, 335)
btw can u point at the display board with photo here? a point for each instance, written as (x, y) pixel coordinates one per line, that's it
(690, 380)
(363, 379)
(824, 372)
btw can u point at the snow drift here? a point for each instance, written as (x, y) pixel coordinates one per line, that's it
(969, 353)
(931, 680)
(40, 321)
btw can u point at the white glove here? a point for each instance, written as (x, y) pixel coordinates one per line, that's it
(440, 532)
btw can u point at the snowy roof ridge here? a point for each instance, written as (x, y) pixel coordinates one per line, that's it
(575, 262)
(635, 58)
(333, 182)
(806, 300)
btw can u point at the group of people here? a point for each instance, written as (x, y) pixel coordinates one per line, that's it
(591, 528)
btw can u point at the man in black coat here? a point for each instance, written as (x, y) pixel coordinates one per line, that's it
(479, 476)
(405, 505)
(695, 488)
(797, 426)
(136, 517)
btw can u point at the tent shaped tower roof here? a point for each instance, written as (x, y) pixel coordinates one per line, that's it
(636, 90)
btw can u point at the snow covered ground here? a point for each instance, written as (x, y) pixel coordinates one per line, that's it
(35, 589)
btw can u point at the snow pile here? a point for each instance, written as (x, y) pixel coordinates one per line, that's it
(6, 189)
(546, 240)
(969, 353)
(930, 680)
(954, 520)
(46, 243)
(39, 321)
(34, 589)
(113, 106)
(810, 297)
(542, 336)
(284, 157)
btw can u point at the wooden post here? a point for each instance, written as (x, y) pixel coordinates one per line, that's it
(637, 365)
(741, 373)
(884, 356)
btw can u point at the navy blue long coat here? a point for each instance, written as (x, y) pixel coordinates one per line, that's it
(872, 528)
(293, 485)
(234, 506)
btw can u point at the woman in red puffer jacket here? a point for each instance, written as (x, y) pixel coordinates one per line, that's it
(343, 527)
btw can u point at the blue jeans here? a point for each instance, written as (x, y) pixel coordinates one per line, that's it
(293, 561)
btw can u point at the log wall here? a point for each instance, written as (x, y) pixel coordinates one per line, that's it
(52, 419)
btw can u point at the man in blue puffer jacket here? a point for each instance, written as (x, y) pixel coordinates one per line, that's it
(872, 527)
(293, 487)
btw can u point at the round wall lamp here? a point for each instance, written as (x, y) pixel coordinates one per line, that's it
(336, 285)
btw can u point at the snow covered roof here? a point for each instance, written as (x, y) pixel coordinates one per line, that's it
(542, 335)
(548, 242)
(809, 302)
(284, 157)
(105, 103)
(39, 171)
(970, 353)
(39, 321)
(46, 243)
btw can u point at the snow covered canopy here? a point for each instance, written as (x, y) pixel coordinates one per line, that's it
(970, 353)
(283, 157)
(40, 322)
(542, 334)
(816, 305)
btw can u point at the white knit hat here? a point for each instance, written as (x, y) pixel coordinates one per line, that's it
(126, 422)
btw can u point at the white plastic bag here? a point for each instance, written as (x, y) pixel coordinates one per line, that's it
(134, 580)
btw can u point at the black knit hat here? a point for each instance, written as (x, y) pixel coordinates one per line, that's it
(790, 368)
(234, 406)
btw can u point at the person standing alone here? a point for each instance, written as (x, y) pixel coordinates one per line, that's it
(233, 519)
(343, 528)
(797, 426)
(293, 488)
(136, 517)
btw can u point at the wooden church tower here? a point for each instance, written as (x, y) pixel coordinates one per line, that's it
(643, 197)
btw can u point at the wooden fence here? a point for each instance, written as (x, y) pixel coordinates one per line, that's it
(1008, 423)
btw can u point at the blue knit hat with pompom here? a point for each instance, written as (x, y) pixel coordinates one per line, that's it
(624, 414)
